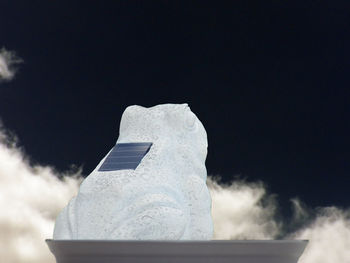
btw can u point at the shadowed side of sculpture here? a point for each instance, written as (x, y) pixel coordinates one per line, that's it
(163, 197)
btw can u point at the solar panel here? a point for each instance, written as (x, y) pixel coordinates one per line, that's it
(125, 156)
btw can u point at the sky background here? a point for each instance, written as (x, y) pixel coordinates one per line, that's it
(269, 81)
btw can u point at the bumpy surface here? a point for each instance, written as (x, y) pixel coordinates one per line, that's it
(164, 198)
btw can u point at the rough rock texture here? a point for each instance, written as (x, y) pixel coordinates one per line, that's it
(165, 197)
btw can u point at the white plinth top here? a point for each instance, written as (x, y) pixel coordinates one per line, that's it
(215, 251)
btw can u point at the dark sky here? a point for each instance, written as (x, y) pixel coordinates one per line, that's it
(268, 79)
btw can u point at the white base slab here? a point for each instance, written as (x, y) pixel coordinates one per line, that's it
(215, 251)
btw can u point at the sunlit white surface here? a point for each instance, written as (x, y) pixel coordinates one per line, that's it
(164, 198)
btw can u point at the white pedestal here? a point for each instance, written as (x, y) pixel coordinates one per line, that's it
(215, 251)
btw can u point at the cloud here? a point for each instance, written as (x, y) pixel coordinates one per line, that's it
(246, 211)
(329, 235)
(31, 197)
(8, 62)
(242, 210)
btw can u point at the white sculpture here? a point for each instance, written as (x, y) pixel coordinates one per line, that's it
(165, 197)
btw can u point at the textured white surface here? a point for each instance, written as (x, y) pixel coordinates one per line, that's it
(166, 197)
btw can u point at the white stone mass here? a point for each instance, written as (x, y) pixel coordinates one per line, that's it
(164, 198)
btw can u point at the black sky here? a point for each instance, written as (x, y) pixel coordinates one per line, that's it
(268, 79)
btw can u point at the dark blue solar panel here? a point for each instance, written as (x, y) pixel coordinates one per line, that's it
(125, 156)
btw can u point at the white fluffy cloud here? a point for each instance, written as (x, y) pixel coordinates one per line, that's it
(242, 210)
(246, 211)
(31, 197)
(8, 61)
(329, 236)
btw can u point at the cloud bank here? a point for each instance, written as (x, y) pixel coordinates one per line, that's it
(246, 211)
(329, 235)
(242, 210)
(8, 62)
(30, 199)
(31, 196)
